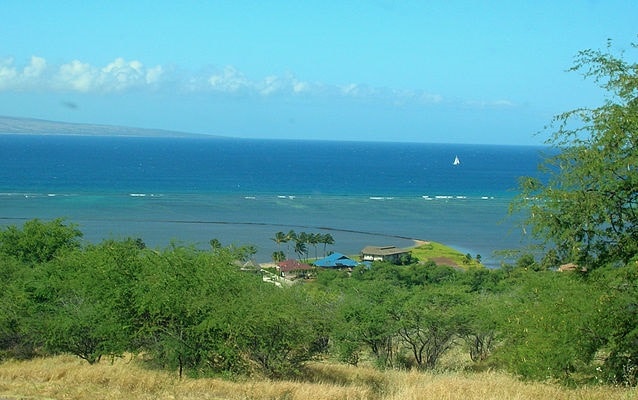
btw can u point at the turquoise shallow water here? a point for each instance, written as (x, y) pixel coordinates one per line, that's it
(243, 192)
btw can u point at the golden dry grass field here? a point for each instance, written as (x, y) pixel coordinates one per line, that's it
(66, 377)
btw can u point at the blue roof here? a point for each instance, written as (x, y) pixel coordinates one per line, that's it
(336, 260)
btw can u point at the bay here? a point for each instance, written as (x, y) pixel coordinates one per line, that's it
(243, 191)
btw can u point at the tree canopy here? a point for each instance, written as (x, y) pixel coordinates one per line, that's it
(196, 312)
(584, 208)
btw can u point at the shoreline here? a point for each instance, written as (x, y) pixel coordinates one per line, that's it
(158, 233)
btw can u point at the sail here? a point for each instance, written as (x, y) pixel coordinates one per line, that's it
(456, 161)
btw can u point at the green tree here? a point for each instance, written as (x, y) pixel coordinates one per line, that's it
(430, 321)
(545, 325)
(326, 239)
(314, 240)
(290, 237)
(527, 261)
(585, 206)
(193, 311)
(279, 331)
(177, 305)
(365, 322)
(481, 334)
(279, 238)
(215, 244)
(89, 311)
(301, 245)
(15, 336)
(243, 253)
(278, 256)
(37, 241)
(614, 328)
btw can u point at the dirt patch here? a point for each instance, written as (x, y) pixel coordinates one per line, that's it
(444, 261)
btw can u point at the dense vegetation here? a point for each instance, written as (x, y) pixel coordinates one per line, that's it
(585, 209)
(194, 311)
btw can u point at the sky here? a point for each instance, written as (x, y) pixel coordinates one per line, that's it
(492, 72)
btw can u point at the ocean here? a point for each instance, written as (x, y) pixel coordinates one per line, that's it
(243, 191)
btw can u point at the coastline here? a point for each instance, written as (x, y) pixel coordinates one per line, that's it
(243, 192)
(195, 220)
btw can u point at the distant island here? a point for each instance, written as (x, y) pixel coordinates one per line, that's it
(12, 125)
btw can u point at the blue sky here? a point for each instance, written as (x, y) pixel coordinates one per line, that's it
(418, 71)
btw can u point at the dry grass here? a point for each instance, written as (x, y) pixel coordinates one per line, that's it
(70, 378)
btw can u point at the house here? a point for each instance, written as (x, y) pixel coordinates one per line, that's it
(336, 260)
(293, 268)
(391, 254)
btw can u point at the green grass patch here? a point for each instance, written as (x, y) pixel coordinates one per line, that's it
(444, 255)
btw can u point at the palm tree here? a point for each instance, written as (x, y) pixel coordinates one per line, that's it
(301, 243)
(291, 236)
(314, 239)
(278, 256)
(215, 244)
(301, 249)
(279, 238)
(326, 240)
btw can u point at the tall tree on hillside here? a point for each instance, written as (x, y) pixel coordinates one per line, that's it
(586, 207)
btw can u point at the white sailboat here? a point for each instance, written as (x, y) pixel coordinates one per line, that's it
(456, 161)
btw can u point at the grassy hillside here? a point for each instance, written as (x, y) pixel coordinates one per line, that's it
(70, 378)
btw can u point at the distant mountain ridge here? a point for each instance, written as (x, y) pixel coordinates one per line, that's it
(44, 127)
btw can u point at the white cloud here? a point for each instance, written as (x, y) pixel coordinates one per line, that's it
(396, 97)
(361, 91)
(229, 80)
(300, 87)
(282, 85)
(77, 76)
(121, 75)
(11, 77)
(154, 75)
(271, 85)
(430, 98)
(36, 68)
(502, 103)
(8, 74)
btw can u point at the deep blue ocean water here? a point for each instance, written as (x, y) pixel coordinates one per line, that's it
(244, 191)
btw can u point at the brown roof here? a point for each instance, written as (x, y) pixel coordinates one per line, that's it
(383, 251)
(292, 265)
